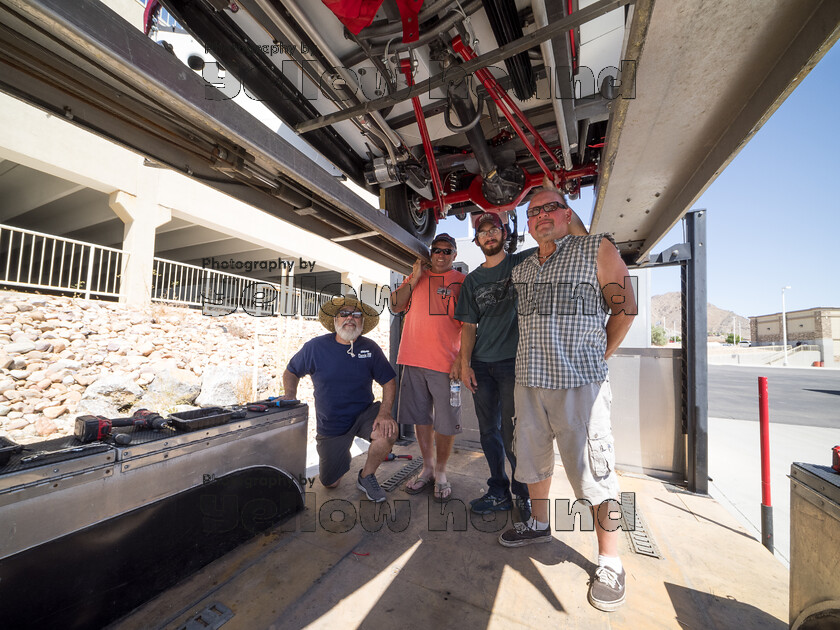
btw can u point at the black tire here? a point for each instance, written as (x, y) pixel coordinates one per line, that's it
(400, 205)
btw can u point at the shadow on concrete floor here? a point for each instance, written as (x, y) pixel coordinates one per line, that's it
(713, 612)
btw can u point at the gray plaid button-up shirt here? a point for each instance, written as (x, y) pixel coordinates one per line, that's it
(562, 316)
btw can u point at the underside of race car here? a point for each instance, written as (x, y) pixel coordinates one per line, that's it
(441, 108)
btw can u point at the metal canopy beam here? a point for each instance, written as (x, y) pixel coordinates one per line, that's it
(815, 38)
(709, 75)
(85, 63)
(352, 237)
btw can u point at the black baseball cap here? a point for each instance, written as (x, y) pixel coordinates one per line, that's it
(488, 217)
(443, 236)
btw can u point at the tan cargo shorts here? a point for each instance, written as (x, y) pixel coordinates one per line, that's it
(578, 419)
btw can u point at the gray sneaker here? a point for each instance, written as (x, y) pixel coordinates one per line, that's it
(370, 486)
(606, 589)
(522, 535)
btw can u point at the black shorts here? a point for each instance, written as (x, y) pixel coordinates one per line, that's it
(334, 450)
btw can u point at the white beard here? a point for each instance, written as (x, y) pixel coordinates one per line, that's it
(347, 334)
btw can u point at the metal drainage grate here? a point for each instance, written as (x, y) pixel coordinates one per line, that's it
(402, 474)
(634, 524)
(211, 618)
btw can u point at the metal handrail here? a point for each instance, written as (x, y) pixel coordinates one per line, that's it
(221, 292)
(38, 260)
(43, 261)
(779, 356)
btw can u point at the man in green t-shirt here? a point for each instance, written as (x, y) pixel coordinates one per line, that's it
(489, 338)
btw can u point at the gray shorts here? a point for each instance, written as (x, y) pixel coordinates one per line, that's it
(579, 420)
(424, 399)
(334, 450)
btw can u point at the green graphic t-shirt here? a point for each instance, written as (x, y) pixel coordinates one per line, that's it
(487, 299)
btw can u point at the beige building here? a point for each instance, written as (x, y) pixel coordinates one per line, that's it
(813, 326)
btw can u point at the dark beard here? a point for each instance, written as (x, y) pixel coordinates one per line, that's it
(494, 249)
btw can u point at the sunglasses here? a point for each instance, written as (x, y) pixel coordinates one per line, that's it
(551, 206)
(491, 232)
(442, 250)
(353, 314)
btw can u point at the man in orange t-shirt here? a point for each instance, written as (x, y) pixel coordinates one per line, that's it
(430, 356)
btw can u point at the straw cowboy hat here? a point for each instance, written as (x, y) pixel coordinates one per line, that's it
(328, 311)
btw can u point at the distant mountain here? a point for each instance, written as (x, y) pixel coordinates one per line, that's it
(665, 310)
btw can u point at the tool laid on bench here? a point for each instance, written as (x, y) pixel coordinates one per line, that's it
(237, 412)
(276, 401)
(38, 455)
(96, 428)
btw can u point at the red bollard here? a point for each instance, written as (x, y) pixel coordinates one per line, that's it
(764, 433)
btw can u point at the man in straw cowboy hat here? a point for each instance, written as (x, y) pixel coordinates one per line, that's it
(343, 365)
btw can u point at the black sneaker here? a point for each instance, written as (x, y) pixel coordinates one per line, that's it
(523, 505)
(489, 503)
(370, 486)
(522, 535)
(606, 589)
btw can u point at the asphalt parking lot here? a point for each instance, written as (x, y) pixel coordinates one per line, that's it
(802, 396)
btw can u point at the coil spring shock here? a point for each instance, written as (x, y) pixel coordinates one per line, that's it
(558, 153)
(452, 181)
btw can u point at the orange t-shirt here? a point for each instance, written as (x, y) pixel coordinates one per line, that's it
(431, 335)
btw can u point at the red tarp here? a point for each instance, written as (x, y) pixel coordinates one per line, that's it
(354, 14)
(358, 14)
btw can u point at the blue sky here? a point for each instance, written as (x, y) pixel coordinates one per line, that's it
(774, 214)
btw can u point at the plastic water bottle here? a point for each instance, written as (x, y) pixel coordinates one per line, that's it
(454, 393)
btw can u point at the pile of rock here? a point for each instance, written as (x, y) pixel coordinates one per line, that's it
(61, 357)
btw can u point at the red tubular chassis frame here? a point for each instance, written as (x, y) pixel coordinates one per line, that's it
(519, 123)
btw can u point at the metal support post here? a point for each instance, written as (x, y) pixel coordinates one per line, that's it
(406, 430)
(696, 362)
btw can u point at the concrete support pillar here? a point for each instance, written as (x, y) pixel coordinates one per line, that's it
(824, 338)
(142, 216)
(826, 346)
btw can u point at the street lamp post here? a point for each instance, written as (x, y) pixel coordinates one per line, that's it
(784, 325)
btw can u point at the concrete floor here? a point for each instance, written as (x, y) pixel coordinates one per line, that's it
(713, 574)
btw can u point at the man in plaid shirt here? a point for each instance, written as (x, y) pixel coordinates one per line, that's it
(564, 291)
